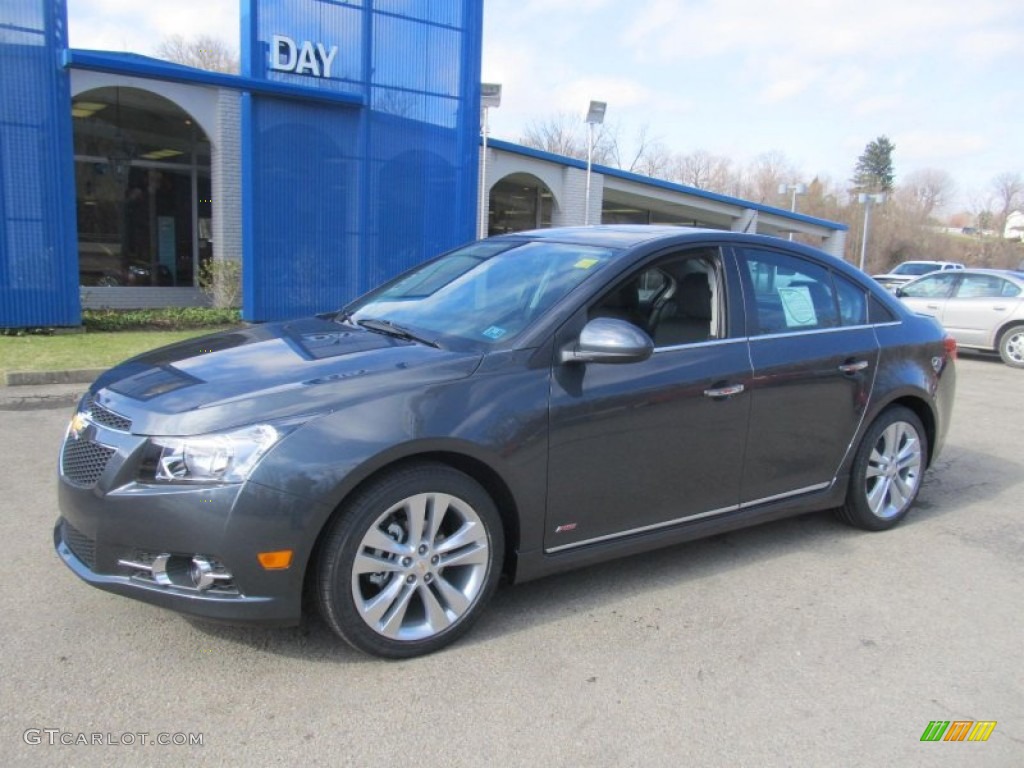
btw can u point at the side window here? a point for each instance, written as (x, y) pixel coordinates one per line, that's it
(853, 307)
(791, 294)
(678, 300)
(932, 287)
(985, 287)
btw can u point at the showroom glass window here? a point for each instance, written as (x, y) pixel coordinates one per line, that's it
(142, 178)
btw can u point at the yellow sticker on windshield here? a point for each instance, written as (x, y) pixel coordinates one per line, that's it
(585, 263)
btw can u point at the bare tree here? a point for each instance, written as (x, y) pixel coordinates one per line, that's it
(646, 155)
(703, 170)
(767, 172)
(565, 133)
(201, 52)
(1009, 192)
(924, 193)
(560, 134)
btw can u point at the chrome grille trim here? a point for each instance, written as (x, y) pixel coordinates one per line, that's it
(105, 417)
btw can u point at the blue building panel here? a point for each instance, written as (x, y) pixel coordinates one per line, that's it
(336, 198)
(38, 255)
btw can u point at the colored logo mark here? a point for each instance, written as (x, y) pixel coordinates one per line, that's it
(958, 730)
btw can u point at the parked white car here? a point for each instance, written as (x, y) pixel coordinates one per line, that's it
(909, 270)
(980, 308)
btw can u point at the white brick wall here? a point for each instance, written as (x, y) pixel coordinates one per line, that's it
(226, 170)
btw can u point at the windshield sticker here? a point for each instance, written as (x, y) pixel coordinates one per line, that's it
(797, 304)
(585, 263)
(494, 332)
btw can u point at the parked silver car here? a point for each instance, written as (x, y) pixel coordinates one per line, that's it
(980, 308)
(908, 270)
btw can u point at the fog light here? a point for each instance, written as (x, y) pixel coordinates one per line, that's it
(201, 572)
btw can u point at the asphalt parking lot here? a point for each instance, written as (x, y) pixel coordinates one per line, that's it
(799, 643)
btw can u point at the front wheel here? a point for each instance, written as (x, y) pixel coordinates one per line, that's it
(1011, 346)
(409, 563)
(887, 471)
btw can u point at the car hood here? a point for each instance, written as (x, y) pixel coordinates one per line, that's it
(266, 372)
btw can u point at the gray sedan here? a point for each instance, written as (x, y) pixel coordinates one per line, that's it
(521, 406)
(980, 308)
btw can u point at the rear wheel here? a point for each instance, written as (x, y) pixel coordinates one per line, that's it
(1011, 346)
(887, 471)
(408, 565)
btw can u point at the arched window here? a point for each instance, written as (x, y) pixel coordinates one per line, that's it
(520, 202)
(142, 177)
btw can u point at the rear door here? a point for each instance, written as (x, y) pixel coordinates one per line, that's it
(980, 304)
(814, 358)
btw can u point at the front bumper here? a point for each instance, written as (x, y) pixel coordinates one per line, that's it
(138, 539)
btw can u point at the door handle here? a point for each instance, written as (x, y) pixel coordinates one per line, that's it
(932, 306)
(735, 389)
(860, 365)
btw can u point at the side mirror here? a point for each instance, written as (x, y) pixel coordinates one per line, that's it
(898, 291)
(607, 340)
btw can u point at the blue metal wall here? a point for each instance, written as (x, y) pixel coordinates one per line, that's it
(337, 198)
(38, 256)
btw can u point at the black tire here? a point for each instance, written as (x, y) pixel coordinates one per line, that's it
(431, 587)
(887, 471)
(1011, 346)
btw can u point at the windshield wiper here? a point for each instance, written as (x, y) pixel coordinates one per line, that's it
(393, 329)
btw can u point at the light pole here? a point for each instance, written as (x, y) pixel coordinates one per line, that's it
(797, 189)
(867, 200)
(490, 96)
(595, 116)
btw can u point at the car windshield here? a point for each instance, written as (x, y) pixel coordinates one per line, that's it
(487, 292)
(916, 268)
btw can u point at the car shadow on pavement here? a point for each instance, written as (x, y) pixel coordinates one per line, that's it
(961, 476)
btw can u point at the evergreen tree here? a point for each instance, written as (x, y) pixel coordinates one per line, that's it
(874, 172)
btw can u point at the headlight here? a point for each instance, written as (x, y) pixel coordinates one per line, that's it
(227, 457)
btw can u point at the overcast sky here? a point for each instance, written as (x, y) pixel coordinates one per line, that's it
(815, 81)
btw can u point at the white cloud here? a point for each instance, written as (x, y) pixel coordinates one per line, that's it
(938, 146)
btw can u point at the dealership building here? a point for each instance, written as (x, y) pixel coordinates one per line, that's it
(347, 150)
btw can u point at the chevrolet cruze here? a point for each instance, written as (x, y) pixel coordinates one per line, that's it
(520, 406)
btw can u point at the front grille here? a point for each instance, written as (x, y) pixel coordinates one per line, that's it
(105, 417)
(83, 547)
(82, 461)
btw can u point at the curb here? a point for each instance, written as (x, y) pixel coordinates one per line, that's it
(32, 401)
(45, 378)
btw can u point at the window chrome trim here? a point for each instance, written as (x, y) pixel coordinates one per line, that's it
(688, 518)
(708, 343)
(788, 334)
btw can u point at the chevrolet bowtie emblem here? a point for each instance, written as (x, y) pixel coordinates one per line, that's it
(78, 424)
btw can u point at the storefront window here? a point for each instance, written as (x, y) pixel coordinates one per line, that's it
(142, 176)
(519, 202)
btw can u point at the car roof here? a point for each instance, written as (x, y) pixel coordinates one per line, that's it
(989, 271)
(1010, 273)
(623, 236)
(613, 235)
